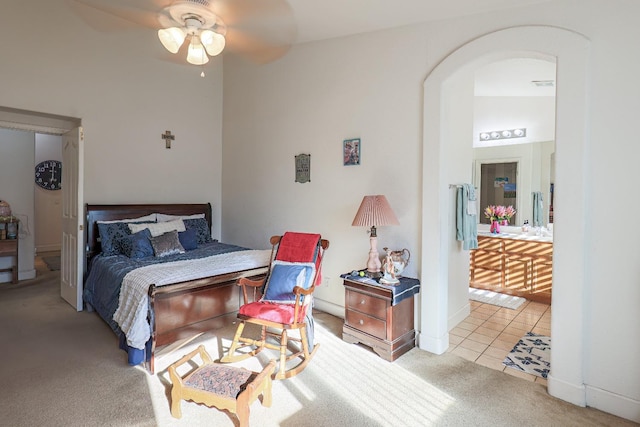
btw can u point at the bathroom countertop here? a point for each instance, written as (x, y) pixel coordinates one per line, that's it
(517, 236)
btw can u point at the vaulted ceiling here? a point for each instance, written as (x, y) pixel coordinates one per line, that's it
(318, 20)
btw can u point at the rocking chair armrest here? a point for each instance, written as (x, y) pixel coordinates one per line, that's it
(302, 291)
(244, 281)
(253, 287)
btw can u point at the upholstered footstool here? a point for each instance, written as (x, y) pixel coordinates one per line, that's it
(221, 386)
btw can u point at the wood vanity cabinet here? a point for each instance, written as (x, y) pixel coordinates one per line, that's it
(513, 266)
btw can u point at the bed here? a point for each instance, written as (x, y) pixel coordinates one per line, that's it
(155, 302)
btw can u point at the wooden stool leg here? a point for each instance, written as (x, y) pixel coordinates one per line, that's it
(266, 393)
(176, 410)
(242, 411)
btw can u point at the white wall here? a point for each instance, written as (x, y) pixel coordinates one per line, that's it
(47, 222)
(535, 113)
(16, 188)
(127, 91)
(459, 109)
(370, 86)
(309, 102)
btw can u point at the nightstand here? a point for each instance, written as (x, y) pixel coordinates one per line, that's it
(380, 316)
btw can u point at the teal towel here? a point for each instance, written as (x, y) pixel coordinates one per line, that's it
(537, 209)
(466, 224)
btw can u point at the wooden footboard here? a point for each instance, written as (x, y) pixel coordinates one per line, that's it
(184, 310)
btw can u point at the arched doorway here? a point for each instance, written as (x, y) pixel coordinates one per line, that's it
(570, 51)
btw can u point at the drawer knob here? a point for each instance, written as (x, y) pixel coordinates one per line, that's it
(362, 302)
(361, 322)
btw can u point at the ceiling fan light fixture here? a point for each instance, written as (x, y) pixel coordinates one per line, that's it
(213, 42)
(196, 54)
(172, 38)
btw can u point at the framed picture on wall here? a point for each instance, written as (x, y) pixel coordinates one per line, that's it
(351, 151)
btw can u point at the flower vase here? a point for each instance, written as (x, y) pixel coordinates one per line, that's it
(505, 222)
(495, 227)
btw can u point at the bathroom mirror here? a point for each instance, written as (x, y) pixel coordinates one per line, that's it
(498, 186)
(509, 174)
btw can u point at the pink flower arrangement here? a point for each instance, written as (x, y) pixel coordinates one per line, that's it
(499, 212)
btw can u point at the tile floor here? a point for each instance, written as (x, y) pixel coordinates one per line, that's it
(489, 333)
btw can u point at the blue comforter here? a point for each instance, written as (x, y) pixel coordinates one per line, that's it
(102, 286)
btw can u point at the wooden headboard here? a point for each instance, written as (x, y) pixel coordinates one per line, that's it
(95, 213)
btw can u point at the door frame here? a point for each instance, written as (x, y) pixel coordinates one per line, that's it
(571, 53)
(44, 123)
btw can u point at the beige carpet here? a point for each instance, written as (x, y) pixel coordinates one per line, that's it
(63, 368)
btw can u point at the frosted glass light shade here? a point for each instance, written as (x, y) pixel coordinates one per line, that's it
(196, 54)
(171, 38)
(213, 42)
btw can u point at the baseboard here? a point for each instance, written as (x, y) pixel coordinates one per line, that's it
(329, 307)
(432, 344)
(459, 316)
(48, 248)
(568, 392)
(7, 277)
(26, 275)
(612, 403)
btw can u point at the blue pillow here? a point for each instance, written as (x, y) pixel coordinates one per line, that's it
(110, 236)
(137, 245)
(284, 277)
(188, 239)
(201, 227)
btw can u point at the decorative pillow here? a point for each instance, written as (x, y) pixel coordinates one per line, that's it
(166, 244)
(188, 239)
(137, 245)
(284, 277)
(201, 226)
(159, 228)
(164, 217)
(111, 235)
(146, 218)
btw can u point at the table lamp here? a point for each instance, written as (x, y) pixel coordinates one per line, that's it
(374, 211)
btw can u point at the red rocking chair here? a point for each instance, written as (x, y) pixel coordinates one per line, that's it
(285, 305)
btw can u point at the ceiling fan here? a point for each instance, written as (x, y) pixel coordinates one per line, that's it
(259, 30)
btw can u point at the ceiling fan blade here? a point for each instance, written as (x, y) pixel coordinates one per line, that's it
(254, 49)
(113, 15)
(258, 30)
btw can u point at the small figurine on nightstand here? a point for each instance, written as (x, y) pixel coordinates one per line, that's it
(389, 276)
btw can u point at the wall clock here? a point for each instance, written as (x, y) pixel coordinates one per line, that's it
(49, 174)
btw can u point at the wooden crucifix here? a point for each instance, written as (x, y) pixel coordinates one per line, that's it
(168, 138)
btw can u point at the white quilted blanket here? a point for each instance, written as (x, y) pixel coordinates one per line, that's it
(131, 314)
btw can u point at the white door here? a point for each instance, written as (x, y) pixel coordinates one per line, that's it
(72, 254)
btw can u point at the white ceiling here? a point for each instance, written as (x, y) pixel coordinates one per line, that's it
(319, 20)
(515, 77)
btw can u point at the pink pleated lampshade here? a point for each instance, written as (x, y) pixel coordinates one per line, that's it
(375, 211)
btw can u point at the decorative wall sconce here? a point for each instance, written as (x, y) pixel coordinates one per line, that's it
(503, 134)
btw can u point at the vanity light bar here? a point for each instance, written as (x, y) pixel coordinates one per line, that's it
(503, 134)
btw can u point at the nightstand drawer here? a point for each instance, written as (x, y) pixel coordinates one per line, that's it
(367, 324)
(376, 307)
